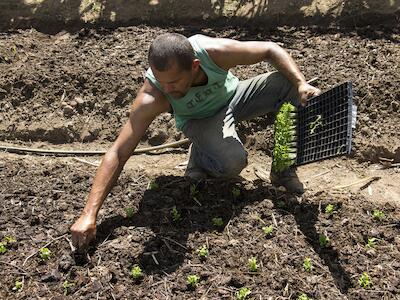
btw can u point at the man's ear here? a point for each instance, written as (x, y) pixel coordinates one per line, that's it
(195, 64)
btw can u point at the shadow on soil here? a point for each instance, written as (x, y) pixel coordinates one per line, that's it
(169, 245)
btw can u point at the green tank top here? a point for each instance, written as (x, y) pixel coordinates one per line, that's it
(201, 101)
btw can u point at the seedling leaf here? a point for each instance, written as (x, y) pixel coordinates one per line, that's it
(136, 272)
(253, 264)
(192, 280)
(365, 281)
(243, 293)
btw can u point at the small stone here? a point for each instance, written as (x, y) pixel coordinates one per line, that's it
(79, 100)
(68, 111)
(73, 103)
(53, 276)
(344, 222)
(65, 263)
(374, 233)
(395, 105)
(365, 131)
(63, 206)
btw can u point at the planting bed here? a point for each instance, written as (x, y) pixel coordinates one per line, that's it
(72, 90)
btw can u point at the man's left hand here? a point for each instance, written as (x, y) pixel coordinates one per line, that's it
(306, 91)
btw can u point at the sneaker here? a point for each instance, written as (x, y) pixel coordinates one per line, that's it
(287, 179)
(194, 172)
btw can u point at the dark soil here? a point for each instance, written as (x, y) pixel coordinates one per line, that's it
(74, 89)
(41, 213)
(78, 86)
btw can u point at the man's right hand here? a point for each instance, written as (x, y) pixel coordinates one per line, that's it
(83, 231)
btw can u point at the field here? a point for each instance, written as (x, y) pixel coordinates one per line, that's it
(73, 90)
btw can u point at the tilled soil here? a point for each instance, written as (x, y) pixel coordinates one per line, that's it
(40, 213)
(74, 89)
(78, 86)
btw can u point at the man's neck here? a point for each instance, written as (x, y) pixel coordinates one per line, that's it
(200, 78)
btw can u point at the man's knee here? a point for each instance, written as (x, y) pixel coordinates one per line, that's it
(234, 162)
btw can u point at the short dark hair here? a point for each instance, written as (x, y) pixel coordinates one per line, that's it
(169, 48)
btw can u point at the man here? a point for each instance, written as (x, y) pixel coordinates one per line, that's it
(192, 78)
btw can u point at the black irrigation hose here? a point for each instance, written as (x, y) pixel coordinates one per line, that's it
(21, 150)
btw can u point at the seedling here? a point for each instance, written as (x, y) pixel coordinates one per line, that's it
(17, 286)
(44, 253)
(136, 272)
(284, 152)
(253, 264)
(371, 243)
(303, 297)
(202, 252)
(153, 185)
(307, 264)
(67, 286)
(243, 293)
(192, 281)
(323, 240)
(268, 229)
(378, 214)
(194, 192)
(14, 49)
(3, 248)
(330, 209)
(217, 222)
(9, 239)
(315, 124)
(176, 215)
(129, 212)
(365, 281)
(235, 192)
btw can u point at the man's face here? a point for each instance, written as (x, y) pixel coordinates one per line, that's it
(175, 81)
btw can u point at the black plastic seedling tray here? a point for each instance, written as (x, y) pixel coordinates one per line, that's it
(324, 125)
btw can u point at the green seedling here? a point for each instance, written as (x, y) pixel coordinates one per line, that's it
(67, 286)
(304, 297)
(307, 264)
(315, 124)
(235, 192)
(3, 248)
(243, 293)
(192, 281)
(194, 192)
(330, 209)
(253, 267)
(129, 212)
(176, 215)
(218, 222)
(323, 240)
(268, 229)
(153, 186)
(136, 272)
(9, 239)
(17, 286)
(371, 243)
(365, 281)
(202, 252)
(378, 214)
(285, 146)
(44, 253)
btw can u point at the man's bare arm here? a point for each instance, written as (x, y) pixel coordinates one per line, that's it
(227, 53)
(148, 104)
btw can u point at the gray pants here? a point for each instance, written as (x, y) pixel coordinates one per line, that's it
(216, 147)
